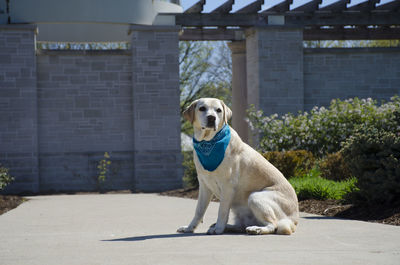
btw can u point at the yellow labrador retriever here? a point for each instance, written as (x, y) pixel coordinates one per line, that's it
(262, 200)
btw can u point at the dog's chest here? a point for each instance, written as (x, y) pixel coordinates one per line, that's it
(216, 180)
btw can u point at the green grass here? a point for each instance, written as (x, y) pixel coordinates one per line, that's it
(312, 186)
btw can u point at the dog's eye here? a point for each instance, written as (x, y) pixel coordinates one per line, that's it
(219, 110)
(202, 108)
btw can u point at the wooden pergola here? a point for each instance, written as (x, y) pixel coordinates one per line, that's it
(337, 21)
(267, 49)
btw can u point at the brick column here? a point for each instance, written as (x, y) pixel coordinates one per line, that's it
(18, 107)
(275, 69)
(239, 88)
(156, 98)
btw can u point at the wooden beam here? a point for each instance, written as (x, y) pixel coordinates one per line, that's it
(196, 8)
(225, 8)
(352, 34)
(309, 33)
(364, 6)
(389, 6)
(212, 34)
(251, 8)
(344, 18)
(291, 19)
(337, 6)
(219, 20)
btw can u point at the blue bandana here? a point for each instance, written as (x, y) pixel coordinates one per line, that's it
(211, 153)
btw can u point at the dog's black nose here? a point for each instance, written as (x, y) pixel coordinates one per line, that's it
(210, 120)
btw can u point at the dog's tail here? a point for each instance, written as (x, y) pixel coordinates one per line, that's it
(285, 227)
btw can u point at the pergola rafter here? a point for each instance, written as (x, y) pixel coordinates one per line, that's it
(339, 20)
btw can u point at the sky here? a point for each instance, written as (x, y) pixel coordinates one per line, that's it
(212, 4)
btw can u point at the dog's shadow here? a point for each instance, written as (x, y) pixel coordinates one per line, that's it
(148, 237)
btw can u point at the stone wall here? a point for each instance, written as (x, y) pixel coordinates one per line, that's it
(155, 77)
(18, 106)
(60, 111)
(283, 77)
(275, 69)
(85, 110)
(347, 73)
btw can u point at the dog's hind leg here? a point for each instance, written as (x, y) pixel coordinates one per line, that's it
(261, 230)
(261, 207)
(268, 214)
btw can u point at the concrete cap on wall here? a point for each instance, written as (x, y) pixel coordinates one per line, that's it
(89, 20)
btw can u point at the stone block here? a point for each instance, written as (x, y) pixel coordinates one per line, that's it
(274, 68)
(108, 76)
(98, 66)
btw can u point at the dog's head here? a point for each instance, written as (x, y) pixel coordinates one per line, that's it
(208, 115)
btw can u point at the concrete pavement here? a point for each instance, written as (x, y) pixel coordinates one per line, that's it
(140, 229)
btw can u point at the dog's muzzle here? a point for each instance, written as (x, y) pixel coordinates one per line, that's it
(211, 121)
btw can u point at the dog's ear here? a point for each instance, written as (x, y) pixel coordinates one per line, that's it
(227, 112)
(188, 114)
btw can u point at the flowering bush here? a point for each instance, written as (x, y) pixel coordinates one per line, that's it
(322, 130)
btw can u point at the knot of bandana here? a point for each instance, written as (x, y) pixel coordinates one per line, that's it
(211, 153)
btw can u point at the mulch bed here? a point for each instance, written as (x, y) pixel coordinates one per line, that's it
(380, 214)
(9, 202)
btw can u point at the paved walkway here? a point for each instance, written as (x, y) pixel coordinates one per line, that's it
(140, 229)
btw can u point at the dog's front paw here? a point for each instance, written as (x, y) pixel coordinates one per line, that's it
(215, 230)
(185, 229)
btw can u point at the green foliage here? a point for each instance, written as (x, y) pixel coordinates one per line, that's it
(312, 186)
(190, 174)
(103, 168)
(350, 43)
(323, 130)
(5, 178)
(334, 167)
(374, 158)
(291, 163)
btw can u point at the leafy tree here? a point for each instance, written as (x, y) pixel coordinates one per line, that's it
(205, 71)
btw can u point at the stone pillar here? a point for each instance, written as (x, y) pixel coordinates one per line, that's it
(239, 88)
(156, 98)
(275, 69)
(18, 107)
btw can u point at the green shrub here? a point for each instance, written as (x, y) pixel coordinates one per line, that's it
(312, 186)
(190, 175)
(5, 178)
(291, 163)
(374, 159)
(323, 129)
(334, 167)
(103, 170)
